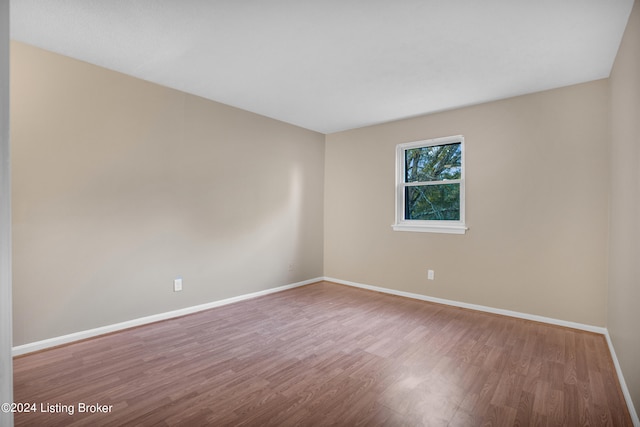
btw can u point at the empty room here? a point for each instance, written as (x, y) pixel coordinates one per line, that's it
(310, 213)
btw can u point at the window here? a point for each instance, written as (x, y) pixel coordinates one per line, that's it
(430, 186)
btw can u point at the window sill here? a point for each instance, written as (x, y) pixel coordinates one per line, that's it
(448, 229)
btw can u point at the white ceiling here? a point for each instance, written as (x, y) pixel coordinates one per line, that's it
(331, 65)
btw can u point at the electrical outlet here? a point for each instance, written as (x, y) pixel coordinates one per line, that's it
(292, 267)
(430, 275)
(177, 284)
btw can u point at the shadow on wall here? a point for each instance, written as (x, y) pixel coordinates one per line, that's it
(115, 269)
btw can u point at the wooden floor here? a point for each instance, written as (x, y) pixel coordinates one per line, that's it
(327, 354)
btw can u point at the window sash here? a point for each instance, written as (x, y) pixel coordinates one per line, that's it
(423, 183)
(418, 163)
(441, 204)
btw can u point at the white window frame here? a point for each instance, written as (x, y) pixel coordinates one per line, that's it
(430, 226)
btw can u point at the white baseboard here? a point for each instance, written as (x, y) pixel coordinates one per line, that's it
(580, 326)
(536, 318)
(623, 384)
(81, 335)
(65, 339)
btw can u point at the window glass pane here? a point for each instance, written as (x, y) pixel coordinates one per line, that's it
(435, 163)
(439, 202)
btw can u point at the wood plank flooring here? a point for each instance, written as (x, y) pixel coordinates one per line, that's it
(327, 354)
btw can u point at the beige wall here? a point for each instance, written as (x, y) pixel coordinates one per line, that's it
(536, 199)
(119, 186)
(624, 267)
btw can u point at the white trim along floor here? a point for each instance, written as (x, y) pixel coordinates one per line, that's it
(56, 341)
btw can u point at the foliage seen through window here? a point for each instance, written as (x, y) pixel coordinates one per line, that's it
(428, 194)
